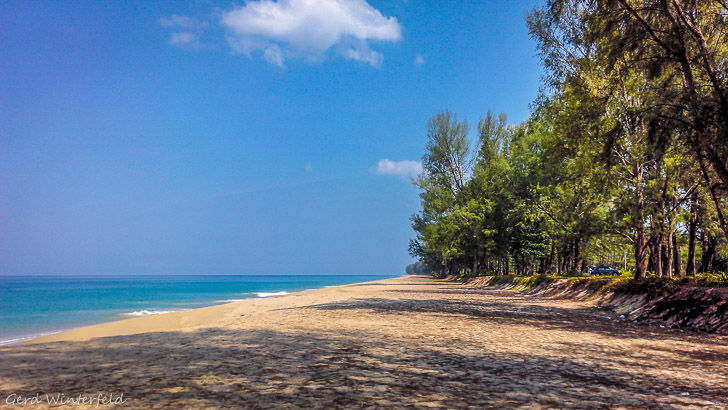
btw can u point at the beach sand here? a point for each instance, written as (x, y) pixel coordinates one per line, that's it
(404, 342)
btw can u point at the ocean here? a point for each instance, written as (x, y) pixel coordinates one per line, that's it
(32, 306)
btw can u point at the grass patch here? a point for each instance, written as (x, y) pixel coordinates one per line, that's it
(522, 281)
(656, 285)
(625, 283)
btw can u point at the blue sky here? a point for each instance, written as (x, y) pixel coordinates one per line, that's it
(236, 138)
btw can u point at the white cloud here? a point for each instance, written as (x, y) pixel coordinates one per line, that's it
(407, 169)
(364, 54)
(309, 28)
(308, 167)
(419, 60)
(185, 22)
(273, 55)
(183, 38)
(245, 45)
(184, 30)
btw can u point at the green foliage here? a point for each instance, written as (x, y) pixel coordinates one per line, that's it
(622, 163)
(571, 274)
(627, 274)
(418, 268)
(717, 277)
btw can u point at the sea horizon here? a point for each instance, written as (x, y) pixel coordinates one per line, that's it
(37, 305)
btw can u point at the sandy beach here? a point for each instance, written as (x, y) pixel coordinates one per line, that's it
(404, 342)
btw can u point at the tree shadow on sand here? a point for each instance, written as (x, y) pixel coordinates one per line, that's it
(521, 311)
(269, 369)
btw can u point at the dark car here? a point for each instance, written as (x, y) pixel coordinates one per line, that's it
(605, 271)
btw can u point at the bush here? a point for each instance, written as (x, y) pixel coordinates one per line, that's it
(720, 277)
(502, 280)
(540, 279)
(465, 276)
(571, 274)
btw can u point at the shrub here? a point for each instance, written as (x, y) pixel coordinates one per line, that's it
(571, 274)
(720, 277)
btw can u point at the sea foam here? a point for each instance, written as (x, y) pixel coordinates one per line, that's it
(267, 294)
(145, 312)
(10, 342)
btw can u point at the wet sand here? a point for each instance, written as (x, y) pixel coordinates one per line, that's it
(404, 342)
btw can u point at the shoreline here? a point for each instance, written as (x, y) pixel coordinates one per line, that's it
(168, 321)
(22, 339)
(141, 313)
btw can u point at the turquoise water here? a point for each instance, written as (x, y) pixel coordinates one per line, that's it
(33, 306)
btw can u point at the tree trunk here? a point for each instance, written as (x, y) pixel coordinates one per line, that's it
(655, 261)
(565, 257)
(666, 249)
(639, 220)
(475, 262)
(692, 232)
(677, 260)
(577, 256)
(706, 265)
(639, 253)
(658, 255)
(550, 262)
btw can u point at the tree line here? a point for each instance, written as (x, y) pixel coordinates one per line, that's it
(623, 161)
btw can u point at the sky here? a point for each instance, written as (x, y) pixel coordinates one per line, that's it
(258, 137)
